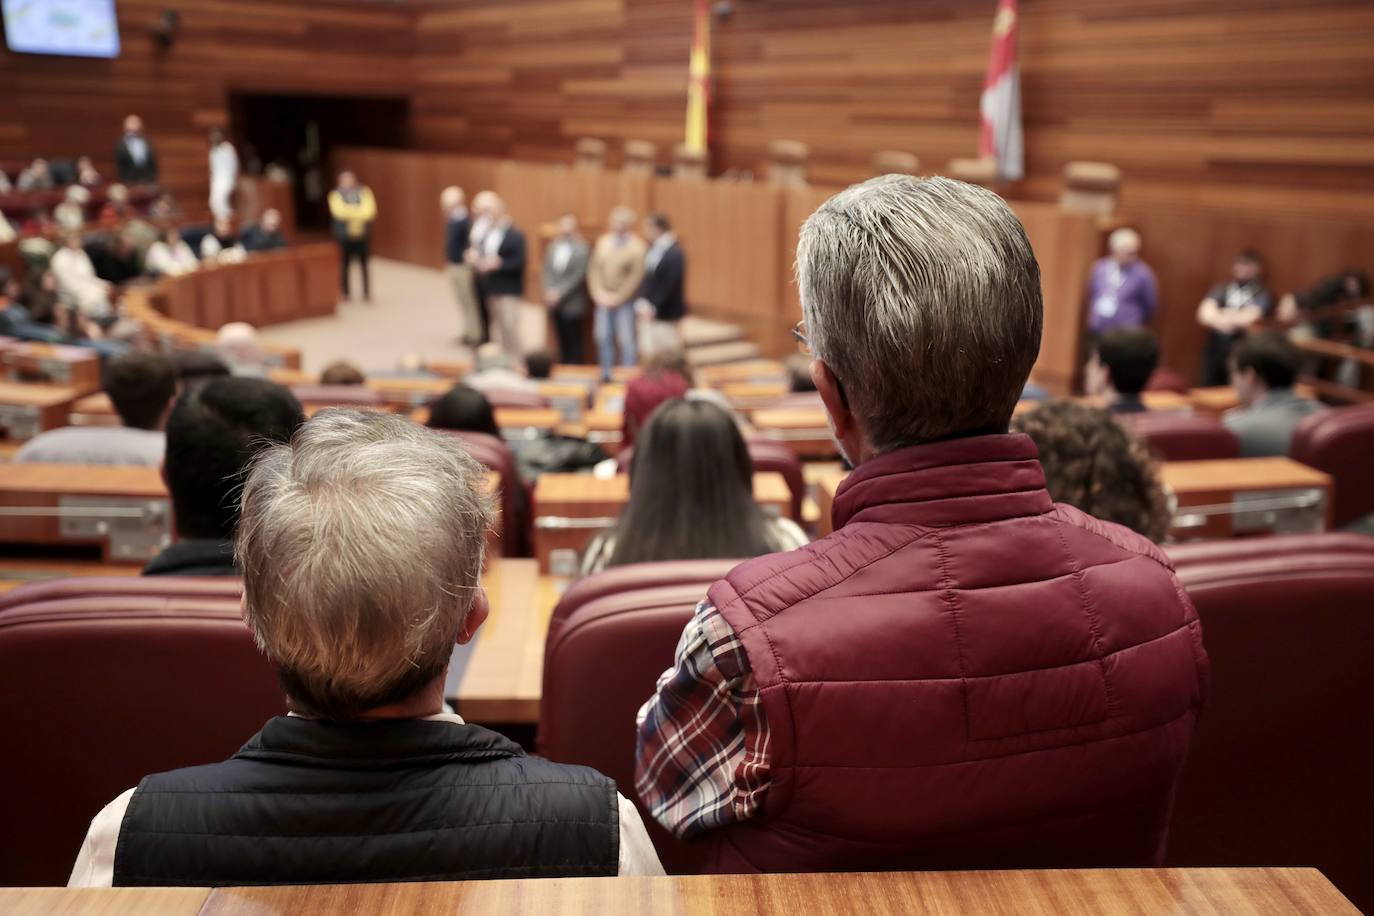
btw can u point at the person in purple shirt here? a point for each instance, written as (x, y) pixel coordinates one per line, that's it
(1121, 288)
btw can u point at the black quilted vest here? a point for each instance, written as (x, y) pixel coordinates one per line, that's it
(310, 802)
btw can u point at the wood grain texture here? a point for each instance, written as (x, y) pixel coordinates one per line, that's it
(116, 901)
(66, 106)
(1246, 892)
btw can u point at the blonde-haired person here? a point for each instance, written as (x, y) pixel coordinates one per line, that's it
(457, 236)
(361, 544)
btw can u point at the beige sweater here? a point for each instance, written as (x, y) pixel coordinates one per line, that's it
(615, 270)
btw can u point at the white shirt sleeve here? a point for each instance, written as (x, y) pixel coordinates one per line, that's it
(637, 853)
(95, 862)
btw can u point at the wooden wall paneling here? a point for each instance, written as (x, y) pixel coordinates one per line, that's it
(797, 206)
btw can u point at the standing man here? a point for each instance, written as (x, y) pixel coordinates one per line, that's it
(963, 674)
(613, 277)
(135, 158)
(1121, 289)
(661, 304)
(565, 287)
(224, 174)
(457, 234)
(500, 261)
(353, 209)
(1229, 310)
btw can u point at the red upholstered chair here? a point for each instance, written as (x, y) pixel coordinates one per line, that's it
(505, 397)
(338, 396)
(99, 692)
(517, 535)
(1182, 437)
(1167, 380)
(1341, 443)
(1279, 769)
(611, 637)
(767, 455)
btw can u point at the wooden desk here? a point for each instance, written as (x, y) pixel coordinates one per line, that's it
(452, 369)
(19, 570)
(753, 370)
(806, 430)
(53, 364)
(569, 509)
(27, 410)
(1216, 484)
(1158, 401)
(1111, 891)
(568, 398)
(93, 410)
(1213, 402)
(567, 372)
(265, 288)
(750, 396)
(503, 680)
(125, 510)
(527, 422)
(412, 392)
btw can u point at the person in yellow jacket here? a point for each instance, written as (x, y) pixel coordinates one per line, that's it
(352, 209)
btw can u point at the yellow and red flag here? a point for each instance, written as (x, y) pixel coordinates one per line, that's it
(1001, 102)
(699, 81)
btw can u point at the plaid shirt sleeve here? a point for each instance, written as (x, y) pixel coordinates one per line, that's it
(702, 753)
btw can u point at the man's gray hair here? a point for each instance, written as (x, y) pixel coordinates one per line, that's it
(361, 549)
(922, 295)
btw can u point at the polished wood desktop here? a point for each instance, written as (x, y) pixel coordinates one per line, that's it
(569, 509)
(414, 392)
(1078, 892)
(1213, 402)
(29, 409)
(757, 371)
(805, 430)
(54, 364)
(124, 510)
(93, 410)
(21, 569)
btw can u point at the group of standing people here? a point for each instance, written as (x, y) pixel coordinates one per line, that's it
(633, 283)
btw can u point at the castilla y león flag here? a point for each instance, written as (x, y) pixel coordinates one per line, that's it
(1001, 102)
(699, 80)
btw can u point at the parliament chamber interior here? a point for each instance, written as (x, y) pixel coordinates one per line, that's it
(693, 456)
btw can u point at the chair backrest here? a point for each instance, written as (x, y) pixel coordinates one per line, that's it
(102, 691)
(767, 455)
(510, 397)
(338, 396)
(612, 636)
(199, 588)
(1340, 442)
(1182, 437)
(1279, 768)
(1165, 379)
(495, 454)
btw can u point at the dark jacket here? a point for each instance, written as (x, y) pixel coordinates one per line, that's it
(456, 232)
(964, 675)
(662, 286)
(194, 557)
(255, 238)
(129, 171)
(509, 278)
(571, 282)
(316, 802)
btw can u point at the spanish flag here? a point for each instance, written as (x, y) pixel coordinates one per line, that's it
(1001, 102)
(699, 81)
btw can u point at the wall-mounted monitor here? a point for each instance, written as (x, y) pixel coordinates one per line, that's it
(74, 28)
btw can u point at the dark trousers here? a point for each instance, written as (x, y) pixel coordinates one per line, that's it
(1216, 357)
(352, 249)
(569, 328)
(483, 310)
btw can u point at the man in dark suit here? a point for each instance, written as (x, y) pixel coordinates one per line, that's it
(661, 304)
(500, 260)
(565, 287)
(135, 158)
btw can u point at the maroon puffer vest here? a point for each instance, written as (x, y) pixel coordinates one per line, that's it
(964, 675)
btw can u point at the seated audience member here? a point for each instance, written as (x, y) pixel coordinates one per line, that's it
(362, 545)
(1313, 305)
(963, 674)
(539, 365)
(141, 387)
(71, 213)
(342, 373)
(116, 261)
(215, 429)
(1265, 368)
(1228, 311)
(266, 235)
(1092, 463)
(164, 207)
(644, 394)
(170, 256)
(1122, 291)
(195, 366)
(8, 233)
(77, 281)
(691, 495)
(1121, 365)
(494, 372)
(36, 177)
(116, 208)
(237, 344)
(463, 409)
(86, 174)
(221, 245)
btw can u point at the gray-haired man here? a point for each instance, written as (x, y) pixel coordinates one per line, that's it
(361, 543)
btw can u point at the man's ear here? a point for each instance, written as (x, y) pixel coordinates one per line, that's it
(477, 615)
(828, 386)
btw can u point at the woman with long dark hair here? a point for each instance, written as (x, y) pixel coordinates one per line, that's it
(463, 409)
(691, 495)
